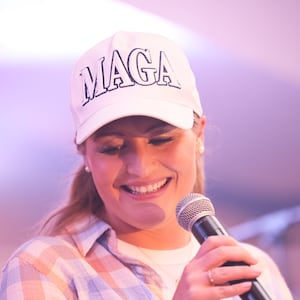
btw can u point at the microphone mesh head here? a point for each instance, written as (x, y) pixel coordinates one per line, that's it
(191, 208)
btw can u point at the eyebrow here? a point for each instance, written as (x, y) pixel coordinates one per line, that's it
(161, 126)
(99, 134)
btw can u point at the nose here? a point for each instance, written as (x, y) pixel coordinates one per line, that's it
(139, 159)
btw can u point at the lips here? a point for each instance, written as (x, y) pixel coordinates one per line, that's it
(146, 189)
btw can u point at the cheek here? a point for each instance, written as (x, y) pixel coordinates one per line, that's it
(183, 159)
(186, 166)
(104, 172)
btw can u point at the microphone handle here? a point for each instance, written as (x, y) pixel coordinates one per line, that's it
(209, 225)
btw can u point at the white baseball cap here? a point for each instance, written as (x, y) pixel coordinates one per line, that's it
(129, 74)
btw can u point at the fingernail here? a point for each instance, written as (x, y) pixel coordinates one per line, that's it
(246, 284)
(254, 258)
(256, 270)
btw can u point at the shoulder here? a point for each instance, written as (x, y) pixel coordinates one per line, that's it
(44, 250)
(42, 264)
(263, 257)
(271, 277)
(265, 261)
(255, 250)
(41, 258)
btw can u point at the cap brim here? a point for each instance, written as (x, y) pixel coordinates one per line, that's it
(167, 111)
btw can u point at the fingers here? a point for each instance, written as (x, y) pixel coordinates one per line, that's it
(211, 285)
(208, 276)
(223, 275)
(217, 279)
(228, 291)
(216, 241)
(217, 250)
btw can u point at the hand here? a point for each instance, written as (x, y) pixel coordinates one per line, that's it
(205, 278)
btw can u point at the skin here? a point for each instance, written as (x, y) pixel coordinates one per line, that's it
(213, 253)
(142, 167)
(136, 154)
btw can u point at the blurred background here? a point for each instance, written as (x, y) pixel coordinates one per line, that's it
(245, 55)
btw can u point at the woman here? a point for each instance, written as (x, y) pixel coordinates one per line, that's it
(140, 131)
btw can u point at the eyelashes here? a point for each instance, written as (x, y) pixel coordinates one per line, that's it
(118, 148)
(161, 141)
(111, 150)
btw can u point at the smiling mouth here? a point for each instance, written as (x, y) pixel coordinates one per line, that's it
(146, 189)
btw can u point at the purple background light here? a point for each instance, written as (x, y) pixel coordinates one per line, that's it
(247, 64)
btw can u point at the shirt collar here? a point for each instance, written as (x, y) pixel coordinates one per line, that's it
(86, 232)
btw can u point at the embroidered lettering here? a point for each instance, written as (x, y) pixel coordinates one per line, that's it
(138, 69)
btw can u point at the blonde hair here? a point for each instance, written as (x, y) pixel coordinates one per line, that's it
(84, 199)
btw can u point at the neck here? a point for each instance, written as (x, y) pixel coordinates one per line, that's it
(165, 238)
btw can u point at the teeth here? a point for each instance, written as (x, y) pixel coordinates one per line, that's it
(148, 188)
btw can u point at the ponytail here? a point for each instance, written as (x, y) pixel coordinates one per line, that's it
(83, 200)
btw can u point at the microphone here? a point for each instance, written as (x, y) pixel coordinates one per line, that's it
(195, 213)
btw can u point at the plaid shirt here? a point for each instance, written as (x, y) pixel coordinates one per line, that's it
(86, 265)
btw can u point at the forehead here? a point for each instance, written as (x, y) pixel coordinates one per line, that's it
(137, 124)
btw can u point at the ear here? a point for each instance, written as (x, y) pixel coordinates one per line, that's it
(200, 135)
(201, 126)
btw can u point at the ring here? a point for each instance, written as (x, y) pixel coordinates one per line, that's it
(210, 278)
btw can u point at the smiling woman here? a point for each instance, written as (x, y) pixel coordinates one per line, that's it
(138, 163)
(140, 132)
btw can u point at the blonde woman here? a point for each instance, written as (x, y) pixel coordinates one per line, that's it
(140, 131)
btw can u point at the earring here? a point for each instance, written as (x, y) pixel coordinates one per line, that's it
(201, 149)
(87, 169)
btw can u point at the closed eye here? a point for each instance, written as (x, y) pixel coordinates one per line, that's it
(160, 141)
(112, 150)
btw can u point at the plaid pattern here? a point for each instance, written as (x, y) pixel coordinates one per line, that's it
(86, 265)
(77, 266)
